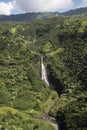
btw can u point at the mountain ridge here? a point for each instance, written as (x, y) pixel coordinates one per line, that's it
(28, 16)
(75, 11)
(41, 15)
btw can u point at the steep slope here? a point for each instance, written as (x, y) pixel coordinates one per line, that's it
(65, 48)
(22, 93)
(63, 43)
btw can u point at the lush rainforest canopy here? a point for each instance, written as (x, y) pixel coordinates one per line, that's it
(23, 95)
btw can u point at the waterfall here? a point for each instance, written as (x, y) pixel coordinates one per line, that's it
(44, 73)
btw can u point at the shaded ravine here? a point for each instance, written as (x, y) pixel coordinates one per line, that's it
(46, 116)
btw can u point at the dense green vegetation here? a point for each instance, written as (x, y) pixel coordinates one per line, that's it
(20, 83)
(63, 42)
(12, 119)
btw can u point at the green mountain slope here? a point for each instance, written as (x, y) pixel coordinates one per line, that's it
(43, 15)
(76, 11)
(21, 87)
(28, 16)
(23, 95)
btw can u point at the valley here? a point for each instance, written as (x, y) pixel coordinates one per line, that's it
(26, 101)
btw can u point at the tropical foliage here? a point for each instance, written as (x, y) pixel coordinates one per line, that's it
(63, 43)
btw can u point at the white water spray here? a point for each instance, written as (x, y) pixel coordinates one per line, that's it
(43, 73)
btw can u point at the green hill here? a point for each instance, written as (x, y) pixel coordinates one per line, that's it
(28, 16)
(43, 15)
(76, 11)
(23, 95)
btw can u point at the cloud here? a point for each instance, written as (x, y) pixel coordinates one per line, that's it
(43, 5)
(84, 3)
(6, 8)
(18, 6)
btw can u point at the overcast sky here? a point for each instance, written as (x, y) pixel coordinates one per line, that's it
(8, 7)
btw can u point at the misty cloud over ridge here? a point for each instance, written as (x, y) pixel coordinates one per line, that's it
(21, 6)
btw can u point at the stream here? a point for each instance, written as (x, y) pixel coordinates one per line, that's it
(48, 118)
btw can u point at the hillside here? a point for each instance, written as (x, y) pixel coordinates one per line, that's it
(76, 11)
(28, 16)
(24, 97)
(43, 15)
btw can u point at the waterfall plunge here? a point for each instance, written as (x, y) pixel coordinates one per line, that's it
(43, 73)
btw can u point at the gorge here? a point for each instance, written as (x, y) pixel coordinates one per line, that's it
(60, 44)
